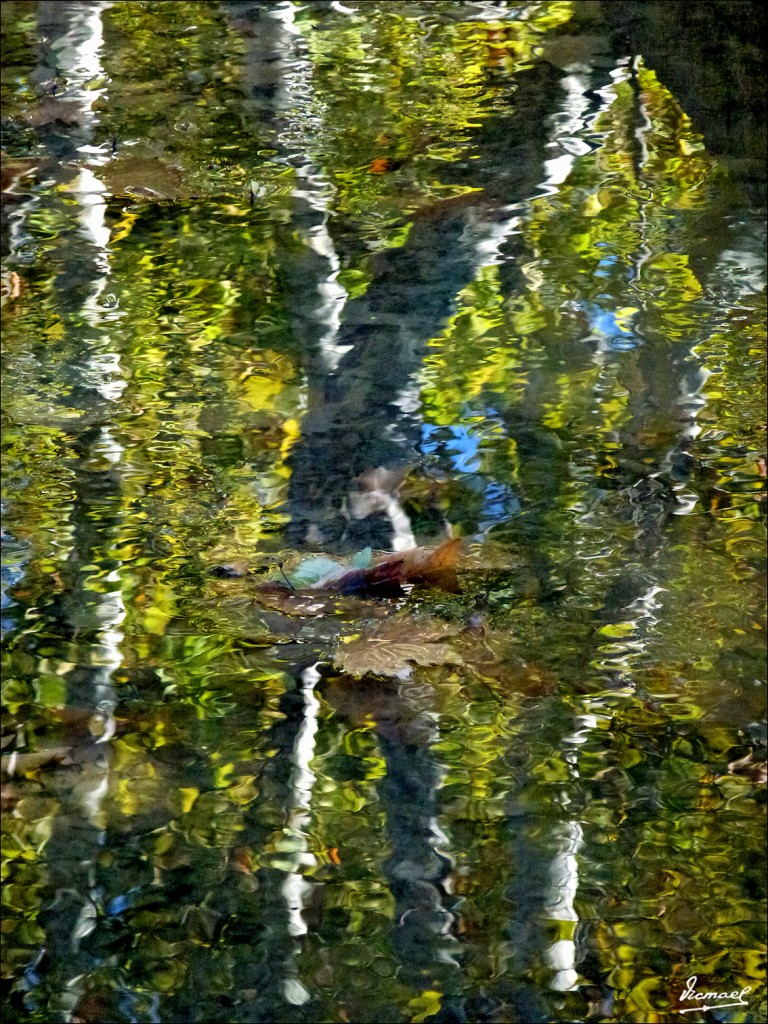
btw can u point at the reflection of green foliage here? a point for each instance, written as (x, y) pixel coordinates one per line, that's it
(397, 99)
(624, 714)
(196, 111)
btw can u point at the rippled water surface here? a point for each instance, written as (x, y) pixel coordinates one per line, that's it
(297, 278)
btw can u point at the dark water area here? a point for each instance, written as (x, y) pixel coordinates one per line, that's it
(283, 280)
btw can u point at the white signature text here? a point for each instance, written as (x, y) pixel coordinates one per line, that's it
(711, 1000)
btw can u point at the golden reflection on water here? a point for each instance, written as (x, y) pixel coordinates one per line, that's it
(323, 281)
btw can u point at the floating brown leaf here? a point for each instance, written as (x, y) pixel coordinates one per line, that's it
(418, 565)
(392, 648)
(383, 579)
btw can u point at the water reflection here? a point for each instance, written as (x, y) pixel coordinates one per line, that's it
(90, 608)
(284, 277)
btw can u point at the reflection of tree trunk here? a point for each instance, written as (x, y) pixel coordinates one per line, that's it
(707, 54)
(353, 422)
(267, 28)
(540, 961)
(276, 82)
(265, 920)
(362, 416)
(86, 618)
(308, 269)
(417, 871)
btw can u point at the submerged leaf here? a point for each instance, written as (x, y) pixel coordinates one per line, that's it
(309, 572)
(320, 572)
(299, 603)
(311, 604)
(393, 647)
(362, 560)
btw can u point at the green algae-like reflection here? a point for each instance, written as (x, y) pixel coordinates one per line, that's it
(290, 279)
